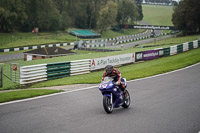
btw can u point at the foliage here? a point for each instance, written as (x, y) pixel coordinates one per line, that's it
(12, 14)
(139, 5)
(52, 15)
(127, 12)
(186, 16)
(107, 16)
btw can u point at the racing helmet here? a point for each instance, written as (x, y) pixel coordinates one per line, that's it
(109, 69)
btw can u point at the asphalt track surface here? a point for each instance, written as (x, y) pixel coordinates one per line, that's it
(168, 103)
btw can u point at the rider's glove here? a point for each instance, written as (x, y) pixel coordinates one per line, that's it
(117, 83)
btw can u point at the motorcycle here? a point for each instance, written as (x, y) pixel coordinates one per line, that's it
(113, 97)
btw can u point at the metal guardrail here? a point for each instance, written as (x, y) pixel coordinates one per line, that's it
(98, 43)
(42, 72)
(80, 67)
(33, 73)
(58, 70)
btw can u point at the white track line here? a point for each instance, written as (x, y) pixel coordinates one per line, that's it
(55, 94)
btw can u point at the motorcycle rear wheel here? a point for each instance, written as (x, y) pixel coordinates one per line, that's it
(108, 106)
(127, 100)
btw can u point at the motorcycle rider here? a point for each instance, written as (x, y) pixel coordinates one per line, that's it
(110, 71)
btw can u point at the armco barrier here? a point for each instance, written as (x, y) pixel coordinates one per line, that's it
(36, 73)
(199, 43)
(33, 73)
(80, 67)
(180, 48)
(103, 44)
(166, 51)
(195, 44)
(35, 47)
(185, 46)
(173, 50)
(190, 45)
(58, 70)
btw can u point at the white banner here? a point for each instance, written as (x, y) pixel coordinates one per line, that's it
(100, 63)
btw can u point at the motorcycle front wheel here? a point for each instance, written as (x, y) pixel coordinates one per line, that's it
(108, 106)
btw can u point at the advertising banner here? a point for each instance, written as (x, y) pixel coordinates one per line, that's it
(154, 27)
(100, 63)
(149, 55)
(138, 56)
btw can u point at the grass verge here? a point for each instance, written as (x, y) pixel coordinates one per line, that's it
(157, 15)
(22, 94)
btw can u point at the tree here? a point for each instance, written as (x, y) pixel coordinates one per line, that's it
(186, 16)
(139, 5)
(127, 12)
(12, 14)
(107, 16)
(48, 18)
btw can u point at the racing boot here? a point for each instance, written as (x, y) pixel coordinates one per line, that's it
(124, 90)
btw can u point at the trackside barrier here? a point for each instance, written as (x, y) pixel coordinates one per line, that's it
(149, 55)
(80, 67)
(179, 48)
(199, 43)
(42, 72)
(103, 44)
(35, 47)
(173, 50)
(195, 44)
(190, 45)
(58, 70)
(166, 51)
(33, 73)
(185, 46)
(99, 63)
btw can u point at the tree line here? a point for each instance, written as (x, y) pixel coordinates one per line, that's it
(186, 16)
(51, 15)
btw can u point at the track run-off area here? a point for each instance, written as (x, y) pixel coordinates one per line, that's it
(166, 103)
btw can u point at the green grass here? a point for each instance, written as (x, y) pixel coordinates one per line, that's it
(157, 15)
(8, 40)
(26, 39)
(112, 34)
(22, 94)
(133, 71)
(173, 41)
(89, 54)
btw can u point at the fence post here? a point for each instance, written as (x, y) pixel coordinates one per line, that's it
(15, 72)
(1, 76)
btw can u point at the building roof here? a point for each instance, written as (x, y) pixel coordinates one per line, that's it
(49, 51)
